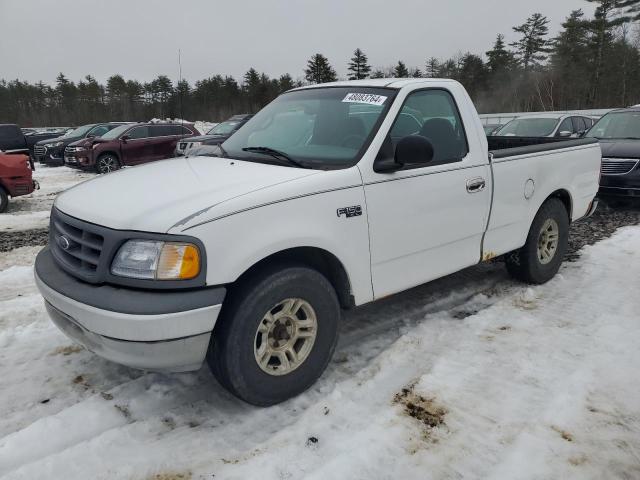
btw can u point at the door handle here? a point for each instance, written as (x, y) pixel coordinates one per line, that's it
(476, 185)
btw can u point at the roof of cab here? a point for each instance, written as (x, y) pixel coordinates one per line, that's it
(379, 83)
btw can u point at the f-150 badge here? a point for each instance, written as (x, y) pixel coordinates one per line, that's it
(349, 212)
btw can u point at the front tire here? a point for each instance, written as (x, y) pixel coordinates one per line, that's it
(107, 162)
(540, 258)
(276, 335)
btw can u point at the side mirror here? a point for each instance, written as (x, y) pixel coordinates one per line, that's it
(124, 138)
(414, 150)
(411, 150)
(565, 134)
(91, 135)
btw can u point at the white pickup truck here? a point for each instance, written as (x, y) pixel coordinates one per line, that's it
(331, 197)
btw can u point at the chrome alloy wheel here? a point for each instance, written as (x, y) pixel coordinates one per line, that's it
(548, 241)
(107, 164)
(285, 336)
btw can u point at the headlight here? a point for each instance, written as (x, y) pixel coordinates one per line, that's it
(80, 148)
(152, 260)
(54, 145)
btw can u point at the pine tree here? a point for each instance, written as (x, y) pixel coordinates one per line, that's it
(319, 70)
(378, 74)
(602, 26)
(631, 9)
(499, 58)
(433, 68)
(401, 70)
(358, 66)
(533, 47)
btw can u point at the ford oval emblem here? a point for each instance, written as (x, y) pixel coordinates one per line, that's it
(64, 242)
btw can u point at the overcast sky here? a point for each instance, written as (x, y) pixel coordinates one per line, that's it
(140, 38)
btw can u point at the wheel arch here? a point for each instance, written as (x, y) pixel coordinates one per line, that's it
(565, 197)
(314, 257)
(108, 152)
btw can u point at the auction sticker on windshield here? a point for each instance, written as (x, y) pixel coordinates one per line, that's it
(367, 98)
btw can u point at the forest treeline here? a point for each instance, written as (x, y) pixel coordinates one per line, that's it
(593, 62)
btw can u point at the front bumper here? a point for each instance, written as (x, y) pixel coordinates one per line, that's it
(124, 325)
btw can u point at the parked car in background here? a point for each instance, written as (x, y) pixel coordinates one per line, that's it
(216, 135)
(15, 177)
(51, 151)
(247, 260)
(619, 135)
(546, 125)
(490, 129)
(14, 140)
(129, 144)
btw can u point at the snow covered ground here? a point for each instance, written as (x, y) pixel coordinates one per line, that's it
(32, 211)
(472, 376)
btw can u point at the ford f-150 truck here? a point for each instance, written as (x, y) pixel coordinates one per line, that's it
(331, 197)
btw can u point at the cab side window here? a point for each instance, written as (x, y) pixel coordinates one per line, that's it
(138, 132)
(565, 126)
(433, 114)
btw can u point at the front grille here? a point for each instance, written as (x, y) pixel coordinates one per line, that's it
(612, 166)
(75, 245)
(39, 150)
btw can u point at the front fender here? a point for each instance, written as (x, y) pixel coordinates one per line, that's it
(236, 242)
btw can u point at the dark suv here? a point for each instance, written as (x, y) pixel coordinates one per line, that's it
(619, 135)
(215, 136)
(129, 144)
(51, 151)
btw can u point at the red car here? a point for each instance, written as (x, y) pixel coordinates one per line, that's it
(15, 178)
(129, 144)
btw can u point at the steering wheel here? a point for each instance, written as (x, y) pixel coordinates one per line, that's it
(352, 141)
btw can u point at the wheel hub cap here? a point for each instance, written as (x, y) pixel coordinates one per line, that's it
(548, 241)
(285, 336)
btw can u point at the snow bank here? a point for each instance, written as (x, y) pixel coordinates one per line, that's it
(523, 383)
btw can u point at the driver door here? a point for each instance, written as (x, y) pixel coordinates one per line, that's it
(135, 149)
(427, 222)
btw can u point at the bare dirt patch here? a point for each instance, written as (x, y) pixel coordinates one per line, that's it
(170, 476)
(425, 410)
(563, 433)
(67, 350)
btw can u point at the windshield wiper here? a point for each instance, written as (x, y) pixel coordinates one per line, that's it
(275, 154)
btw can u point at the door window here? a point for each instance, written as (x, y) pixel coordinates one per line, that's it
(433, 114)
(578, 125)
(565, 126)
(138, 132)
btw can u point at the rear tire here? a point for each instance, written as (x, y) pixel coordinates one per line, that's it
(540, 258)
(4, 200)
(276, 335)
(106, 163)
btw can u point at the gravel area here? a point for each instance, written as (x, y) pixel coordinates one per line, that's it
(604, 222)
(23, 238)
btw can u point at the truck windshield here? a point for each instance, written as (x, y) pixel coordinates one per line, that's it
(324, 128)
(621, 125)
(528, 127)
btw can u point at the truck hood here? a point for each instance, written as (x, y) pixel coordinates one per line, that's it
(157, 196)
(620, 148)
